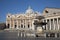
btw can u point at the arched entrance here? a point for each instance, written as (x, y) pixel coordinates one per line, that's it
(8, 25)
(15, 26)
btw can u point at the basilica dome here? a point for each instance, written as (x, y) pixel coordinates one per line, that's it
(29, 10)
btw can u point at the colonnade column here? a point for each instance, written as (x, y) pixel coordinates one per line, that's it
(10, 24)
(20, 23)
(57, 24)
(50, 23)
(44, 26)
(53, 24)
(33, 28)
(17, 24)
(23, 23)
(30, 24)
(13, 24)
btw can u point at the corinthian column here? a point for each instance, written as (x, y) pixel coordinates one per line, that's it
(25, 24)
(50, 23)
(57, 24)
(13, 23)
(10, 24)
(54, 24)
(17, 24)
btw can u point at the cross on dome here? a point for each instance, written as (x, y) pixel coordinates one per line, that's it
(29, 7)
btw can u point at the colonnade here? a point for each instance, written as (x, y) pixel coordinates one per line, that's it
(52, 24)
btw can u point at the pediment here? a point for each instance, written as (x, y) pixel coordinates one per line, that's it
(19, 16)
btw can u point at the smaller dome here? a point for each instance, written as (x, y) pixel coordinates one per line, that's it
(29, 10)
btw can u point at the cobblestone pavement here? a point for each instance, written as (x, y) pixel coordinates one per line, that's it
(10, 35)
(6, 38)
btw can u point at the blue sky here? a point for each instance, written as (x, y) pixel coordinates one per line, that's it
(16, 6)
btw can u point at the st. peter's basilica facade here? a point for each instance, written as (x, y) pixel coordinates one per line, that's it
(24, 21)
